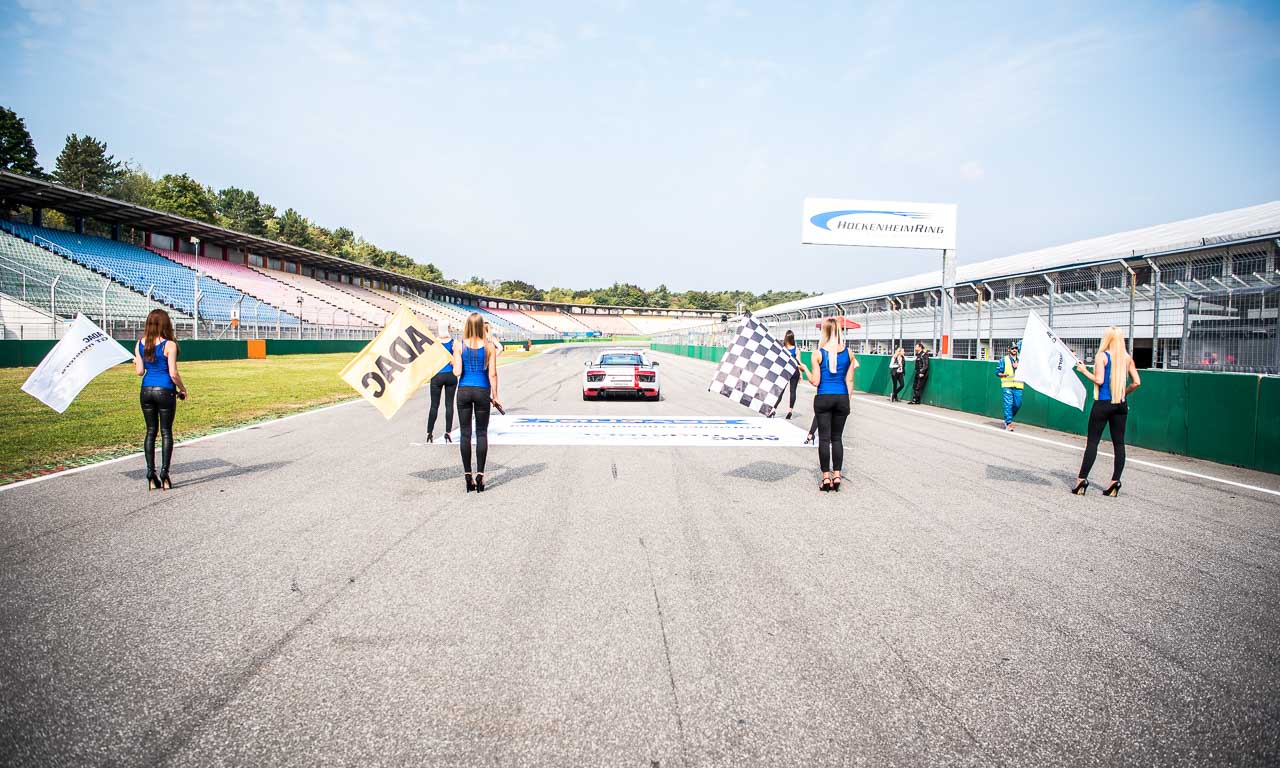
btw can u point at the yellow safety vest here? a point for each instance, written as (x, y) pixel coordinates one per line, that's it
(1006, 378)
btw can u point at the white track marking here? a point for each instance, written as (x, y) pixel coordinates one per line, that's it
(193, 441)
(868, 399)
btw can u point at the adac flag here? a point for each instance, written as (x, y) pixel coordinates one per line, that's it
(1047, 365)
(403, 357)
(84, 352)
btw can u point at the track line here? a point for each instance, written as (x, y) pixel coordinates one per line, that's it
(1075, 448)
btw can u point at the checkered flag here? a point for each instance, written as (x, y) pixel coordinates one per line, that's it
(756, 370)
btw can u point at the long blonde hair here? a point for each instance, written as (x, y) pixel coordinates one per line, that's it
(831, 332)
(473, 330)
(1113, 342)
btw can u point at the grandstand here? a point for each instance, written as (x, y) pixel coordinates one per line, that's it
(150, 274)
(31, 273)
(1200, 293)
(255, 280)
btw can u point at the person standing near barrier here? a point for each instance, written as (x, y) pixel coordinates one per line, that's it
(1010, 388)
(1114, 376)
(446, 382)
(832, 374)
(155, 359)
(897, 371)
(922, 372)
(476, 363)
(789, 344)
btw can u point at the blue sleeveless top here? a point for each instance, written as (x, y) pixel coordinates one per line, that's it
(1104, 389)
(449, 366)
(474, 373)
(157, 371)
(834, 383)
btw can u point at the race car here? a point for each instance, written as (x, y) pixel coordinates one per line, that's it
(621, 372)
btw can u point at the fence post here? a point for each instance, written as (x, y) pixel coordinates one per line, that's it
(1133, 287)
(1186, 330)
(1155, 317)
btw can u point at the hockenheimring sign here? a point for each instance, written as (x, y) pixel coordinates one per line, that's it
(888, 224)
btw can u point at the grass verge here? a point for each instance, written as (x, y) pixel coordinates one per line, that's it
(105, 420)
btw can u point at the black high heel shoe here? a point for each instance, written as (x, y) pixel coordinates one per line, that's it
(430, 438)
(826, 485)
(165, 482)
(479, 482)
(835, 483)
(471, 486)
(1080, 488)
(153, 482)
(447, 438)
(1113, 490)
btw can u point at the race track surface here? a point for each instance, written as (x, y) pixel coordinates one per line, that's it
(320, 591)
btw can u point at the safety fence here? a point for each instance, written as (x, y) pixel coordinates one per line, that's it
(1222, 417)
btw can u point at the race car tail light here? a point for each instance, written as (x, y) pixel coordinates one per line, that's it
(595, 375)
(648, 376)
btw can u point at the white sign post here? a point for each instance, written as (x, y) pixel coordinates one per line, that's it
(888, 224)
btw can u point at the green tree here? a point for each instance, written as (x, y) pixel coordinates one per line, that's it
(17, 150)
(519, 289)
(85, 165)
(244, 211)
(294, 229)
(182, 195)
(135, 185)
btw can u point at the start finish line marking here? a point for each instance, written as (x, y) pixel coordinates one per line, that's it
(692, 431)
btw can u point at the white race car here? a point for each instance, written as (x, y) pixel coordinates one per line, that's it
(621, 372)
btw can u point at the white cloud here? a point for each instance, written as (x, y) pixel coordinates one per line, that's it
(972, 171)
(588, 31)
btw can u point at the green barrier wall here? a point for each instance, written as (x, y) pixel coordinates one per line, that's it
(1230, 418)
(29, 353)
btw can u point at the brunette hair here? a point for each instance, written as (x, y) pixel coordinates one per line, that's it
(789, 339)
(159, 326)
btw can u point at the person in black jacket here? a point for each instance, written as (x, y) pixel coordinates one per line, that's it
(922, 372)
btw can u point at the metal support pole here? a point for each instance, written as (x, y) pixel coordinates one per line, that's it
(977, 324)
(1133, 287)
(195, 291)
(1155, 318)
(948, 309)
(1052, 289)
(866, 329)
(53, 312)
(105, 285)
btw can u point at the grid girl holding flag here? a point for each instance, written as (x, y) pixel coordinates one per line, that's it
(155, 359)
(1113, 368)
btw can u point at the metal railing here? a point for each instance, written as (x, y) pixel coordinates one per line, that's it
(1212, 309)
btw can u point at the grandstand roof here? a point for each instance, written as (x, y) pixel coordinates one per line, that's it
(36, 193)
(1254, 222)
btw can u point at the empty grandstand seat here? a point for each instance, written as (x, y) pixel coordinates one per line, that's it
(28, 271)
(142, 270)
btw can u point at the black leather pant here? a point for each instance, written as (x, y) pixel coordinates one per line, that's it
(448, 383)
(1115, 415)
(898, 383)
(159, 404)
(831, 412)
(473, 400)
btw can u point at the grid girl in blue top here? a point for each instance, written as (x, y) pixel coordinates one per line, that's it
(476, 364)
(1114, 376)
(832, 374)
(155, 359)
(445, 382)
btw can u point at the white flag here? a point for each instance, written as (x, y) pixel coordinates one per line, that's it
(1047, 365)
(83, 353)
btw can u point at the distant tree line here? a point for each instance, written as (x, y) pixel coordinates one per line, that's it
(85, 164)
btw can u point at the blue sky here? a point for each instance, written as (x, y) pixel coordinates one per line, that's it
(579, 144)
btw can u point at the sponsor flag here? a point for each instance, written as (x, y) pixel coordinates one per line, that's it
(394, 365)
(83, 353)
(756, 370)
(1047, 365)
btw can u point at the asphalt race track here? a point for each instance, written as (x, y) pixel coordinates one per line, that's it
(320, 591)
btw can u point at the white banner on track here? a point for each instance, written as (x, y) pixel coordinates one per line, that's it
(691, 431)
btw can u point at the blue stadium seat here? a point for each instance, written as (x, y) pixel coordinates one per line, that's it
(143, 270)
